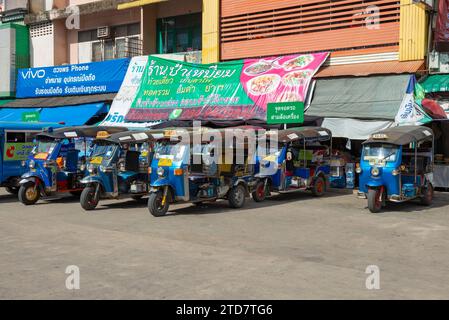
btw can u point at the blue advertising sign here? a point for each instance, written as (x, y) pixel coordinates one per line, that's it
(72, 80)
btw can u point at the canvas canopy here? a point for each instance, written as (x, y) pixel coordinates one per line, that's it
(401, 135)
(375, 97)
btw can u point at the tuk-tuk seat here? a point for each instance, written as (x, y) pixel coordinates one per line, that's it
(132, 160)
(71, 162)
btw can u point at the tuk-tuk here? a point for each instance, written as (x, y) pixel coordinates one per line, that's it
(396, 165)
(16, 142)
(118, 167)
(300, 161)
(56, 164)
(177, 177)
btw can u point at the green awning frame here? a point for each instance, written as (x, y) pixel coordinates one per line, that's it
(436, 83)
(4, 101)
(374, 97)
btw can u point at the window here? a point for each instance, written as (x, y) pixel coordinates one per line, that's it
(19, 137)
(124, 42)
(179, 34)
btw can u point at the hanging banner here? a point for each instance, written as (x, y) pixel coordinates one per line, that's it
(235, 90)
(442, 26)
(125, 96)
(71, 80)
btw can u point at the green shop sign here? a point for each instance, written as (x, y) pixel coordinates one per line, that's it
(30, 116)
(285, 112)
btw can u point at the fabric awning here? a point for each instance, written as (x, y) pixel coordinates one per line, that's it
(69, 115)
(372, 68)
(59, 101)
(436, 83)
(375, 97)
(354, 129)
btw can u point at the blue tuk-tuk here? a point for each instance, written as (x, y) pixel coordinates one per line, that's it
(300, 161)
(177, 177)
(118, 167)
(16, 142)
(56, 164)
(396, 165)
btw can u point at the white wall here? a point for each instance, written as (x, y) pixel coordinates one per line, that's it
(7, 58)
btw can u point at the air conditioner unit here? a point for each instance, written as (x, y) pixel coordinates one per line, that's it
(103, 32)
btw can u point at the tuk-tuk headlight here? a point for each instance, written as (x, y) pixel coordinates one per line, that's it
(32, 164)
(91, 168)
(23, 163)
(375, 172)
(83, 167)
(395, 172)
(102, 169)
(160, 171)
(358, 170)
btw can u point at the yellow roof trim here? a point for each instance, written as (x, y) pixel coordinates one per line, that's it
(138, 3)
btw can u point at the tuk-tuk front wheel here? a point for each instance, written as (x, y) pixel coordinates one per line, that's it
(29, 194)
(375, 200)
(12, 190)
(259, 192)
(236, 197)
(319, 187)
(89, 200)
(427, 195)
(156, 204)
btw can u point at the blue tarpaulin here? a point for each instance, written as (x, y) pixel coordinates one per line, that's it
(69, 115)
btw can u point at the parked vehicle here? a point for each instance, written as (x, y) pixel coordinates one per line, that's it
(396, 165)
(56, 164)
(175, 175)
(118, 167)
(16, 142)
(300, 161)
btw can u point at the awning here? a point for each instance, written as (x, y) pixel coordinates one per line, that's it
(69, 115)
(376, 97)
(137, 3)
(59, 101)
(353, 128)
(436, 83)
(366, 69)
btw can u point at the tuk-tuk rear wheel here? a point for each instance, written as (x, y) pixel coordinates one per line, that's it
(319, 187)
(155, 205)
(88, 200)
(29, 194)
(427, 196)
(374, 200)
(259, 192)
(236, 197)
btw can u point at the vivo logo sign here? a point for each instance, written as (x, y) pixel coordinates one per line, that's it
(33, 74)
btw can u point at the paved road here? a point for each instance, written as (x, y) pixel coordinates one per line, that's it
(290, 247)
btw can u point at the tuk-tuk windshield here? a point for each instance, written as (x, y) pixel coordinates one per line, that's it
(104, 151)
(380, 152)
(46, 147)
(166, 150)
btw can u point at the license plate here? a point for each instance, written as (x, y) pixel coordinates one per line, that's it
(96, 160)
(165, 162)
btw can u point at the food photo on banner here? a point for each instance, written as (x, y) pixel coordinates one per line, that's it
(242, 89)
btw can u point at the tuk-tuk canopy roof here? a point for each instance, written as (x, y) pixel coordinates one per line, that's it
(301, 133)
(137, 136)
(28, 125)
(79, 131)
(401, 135)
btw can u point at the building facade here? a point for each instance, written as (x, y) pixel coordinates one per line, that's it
(78, 31)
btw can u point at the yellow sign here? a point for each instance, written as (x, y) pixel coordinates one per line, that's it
(103, 135)
(41, 156)
(164, 162)
(96, 160)
(271, 158)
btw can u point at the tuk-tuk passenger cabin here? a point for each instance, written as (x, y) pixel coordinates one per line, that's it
(396, 165)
